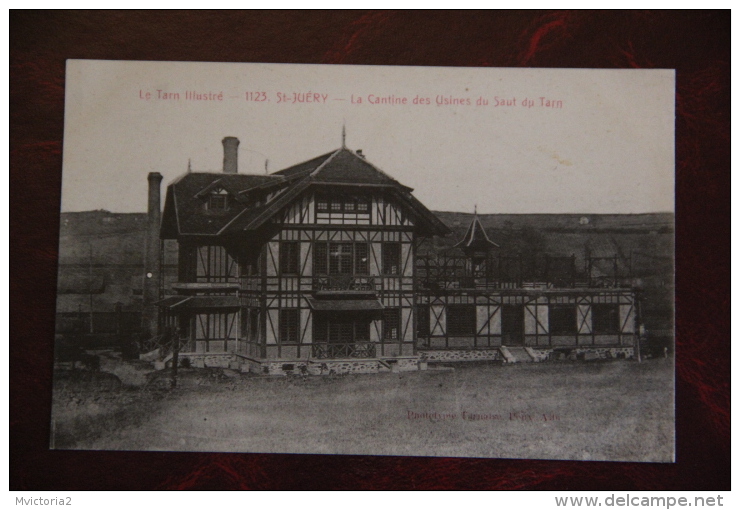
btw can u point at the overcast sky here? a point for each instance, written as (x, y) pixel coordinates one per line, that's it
(604, 144)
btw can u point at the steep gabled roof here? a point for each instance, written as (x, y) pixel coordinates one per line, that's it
(254, 218)
(476, 238)
(346, 166)
(340, 166)
(304, 168)
(185, 214)
(184, 211)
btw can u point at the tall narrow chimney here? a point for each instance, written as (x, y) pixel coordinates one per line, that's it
(231, 149)
(150, 311)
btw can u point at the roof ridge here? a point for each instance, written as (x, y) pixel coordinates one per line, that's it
(266, 205)
(377, 169)
(299, 186)
(322, 165)
(277, 173)
(232, 220)
(209, 187)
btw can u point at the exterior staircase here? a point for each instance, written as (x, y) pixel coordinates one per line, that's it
(515, 354)
(384, 366)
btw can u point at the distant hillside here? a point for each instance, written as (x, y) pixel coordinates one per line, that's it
(566, 222)
(101, 261)
(643, 240)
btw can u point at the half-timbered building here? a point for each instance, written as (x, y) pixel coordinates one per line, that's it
(314, 269)
(297, 269)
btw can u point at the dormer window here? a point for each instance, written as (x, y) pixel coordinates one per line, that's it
(218, 200)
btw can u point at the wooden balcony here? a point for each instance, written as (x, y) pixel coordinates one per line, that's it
(344, 283)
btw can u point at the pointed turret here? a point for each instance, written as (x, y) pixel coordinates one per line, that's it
(476, 242)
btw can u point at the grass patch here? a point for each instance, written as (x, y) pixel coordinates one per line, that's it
(616, 410)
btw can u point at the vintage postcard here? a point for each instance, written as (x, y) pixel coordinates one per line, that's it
(454, 262)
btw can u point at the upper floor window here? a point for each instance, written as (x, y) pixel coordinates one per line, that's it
(218, 200)
(343, 204)
(362, 261)
(212, 264)
(290, 257)
(341, 258)
(391, 258)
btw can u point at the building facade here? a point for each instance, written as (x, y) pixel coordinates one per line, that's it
(314, 269)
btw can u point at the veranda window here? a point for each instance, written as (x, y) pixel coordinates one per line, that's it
(605, 318)
(563, 320)
(461, 320)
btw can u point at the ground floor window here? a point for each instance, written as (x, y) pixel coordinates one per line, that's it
(342, 335)
(289, 326)
(391, 324)
(422, 320)
(461, 320)
(215, 329)
(341, 330)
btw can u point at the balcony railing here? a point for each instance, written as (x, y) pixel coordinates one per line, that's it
(352, 350)
(450, 272)
(344, 282)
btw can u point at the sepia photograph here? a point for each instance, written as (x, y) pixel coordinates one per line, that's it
(367, 260)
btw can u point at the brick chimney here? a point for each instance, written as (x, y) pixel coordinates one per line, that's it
(150, 311)
(231, 150)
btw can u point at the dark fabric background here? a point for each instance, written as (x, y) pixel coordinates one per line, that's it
(697, 44)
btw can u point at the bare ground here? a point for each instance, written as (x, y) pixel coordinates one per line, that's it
(616, 410)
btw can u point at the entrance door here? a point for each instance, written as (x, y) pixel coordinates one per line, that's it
(512, 324)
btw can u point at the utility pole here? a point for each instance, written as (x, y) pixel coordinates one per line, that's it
(90, 283)
(638, 318)
(175, 337)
